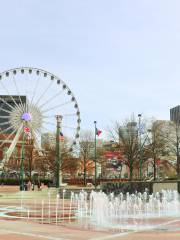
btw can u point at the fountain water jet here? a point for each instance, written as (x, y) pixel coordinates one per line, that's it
(126, 211)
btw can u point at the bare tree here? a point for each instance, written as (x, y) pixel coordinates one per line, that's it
(69, 162)
(126, 135)
(157, 143)
(173, 137)
(86, 145)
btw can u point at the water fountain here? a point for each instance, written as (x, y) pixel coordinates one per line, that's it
(57, 205)
(99, 210)
(129, 211)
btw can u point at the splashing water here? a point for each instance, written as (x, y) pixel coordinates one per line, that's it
(127, 211)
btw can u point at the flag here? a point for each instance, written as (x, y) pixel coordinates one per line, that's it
(98, 132)
(158, 161)
(141, 128)
(61, 137)
(26, 130)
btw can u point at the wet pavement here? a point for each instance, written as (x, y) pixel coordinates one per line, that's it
(28, 225)
(21, 230)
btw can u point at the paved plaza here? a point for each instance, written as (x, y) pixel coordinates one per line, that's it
(19, 230)
(18, 226)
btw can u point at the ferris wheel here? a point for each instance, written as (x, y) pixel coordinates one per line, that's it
(30, 100)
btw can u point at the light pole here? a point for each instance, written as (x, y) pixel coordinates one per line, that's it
(22, 162)
(140, 147)
(26, 117)
(153, 145)
(58, 152)
(95, 158)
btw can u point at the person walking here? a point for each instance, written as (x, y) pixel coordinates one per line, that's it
(29, 185)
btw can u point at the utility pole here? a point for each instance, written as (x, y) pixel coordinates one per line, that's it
(58, 152)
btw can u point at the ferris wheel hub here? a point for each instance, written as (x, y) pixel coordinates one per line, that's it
(19, 115)
(26, 116)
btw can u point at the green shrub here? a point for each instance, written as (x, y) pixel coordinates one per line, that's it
(125, 187)
(16, 181)
(46, 181)
(10, 181)
(172, 176)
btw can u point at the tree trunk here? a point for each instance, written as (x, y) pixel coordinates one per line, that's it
(154, 167)
(178, 167)
(178, 158)
(131, 172)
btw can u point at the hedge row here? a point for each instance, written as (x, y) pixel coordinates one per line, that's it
(124, 187)
(16, 182)
(80, 181)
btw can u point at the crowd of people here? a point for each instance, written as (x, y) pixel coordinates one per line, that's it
(31, 186)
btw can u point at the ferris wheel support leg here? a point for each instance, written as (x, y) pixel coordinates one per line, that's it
(12, 146)
(36, 144)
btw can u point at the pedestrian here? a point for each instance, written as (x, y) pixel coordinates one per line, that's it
(32, 186)
(39, 185)
(29, 185)
(25, 186)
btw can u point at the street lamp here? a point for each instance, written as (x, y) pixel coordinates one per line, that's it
(26, 117)
(153, 137)
(58, 152)
(22, 164)
(22, 159)
(140, 147)
(95, 158)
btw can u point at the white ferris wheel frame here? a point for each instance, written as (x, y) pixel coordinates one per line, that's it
(16, 125)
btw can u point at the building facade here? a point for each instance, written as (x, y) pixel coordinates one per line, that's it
(175, 114)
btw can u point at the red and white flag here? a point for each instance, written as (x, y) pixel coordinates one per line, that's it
(27, 130)
(98, 132)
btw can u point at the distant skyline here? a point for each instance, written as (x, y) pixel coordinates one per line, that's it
(118, 56)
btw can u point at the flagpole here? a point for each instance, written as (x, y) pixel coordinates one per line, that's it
(95, 158)
(58, 154)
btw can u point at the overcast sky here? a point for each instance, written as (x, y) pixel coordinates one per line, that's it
(118, 56)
